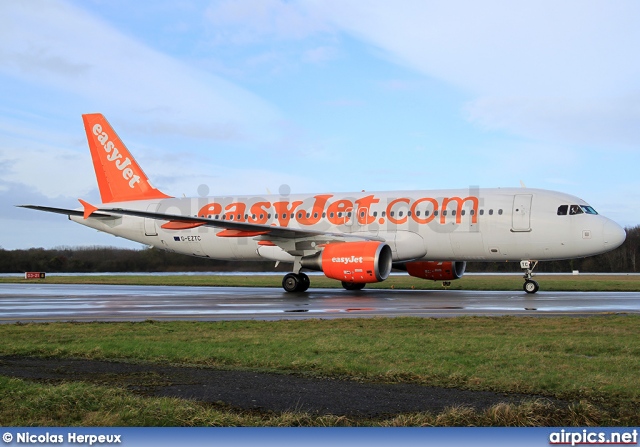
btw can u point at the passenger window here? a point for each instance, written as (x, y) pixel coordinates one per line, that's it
(482, 212)
(562, 210)
(490, 212)
(500, 212)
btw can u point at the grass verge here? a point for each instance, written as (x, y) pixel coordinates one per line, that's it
(593, 361)
(27, 404)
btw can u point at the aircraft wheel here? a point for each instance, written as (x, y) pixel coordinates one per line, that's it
(305, 282)
(291, 282)
(531, 286)
(353, 285)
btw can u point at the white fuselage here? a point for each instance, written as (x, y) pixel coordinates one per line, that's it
(442, 225)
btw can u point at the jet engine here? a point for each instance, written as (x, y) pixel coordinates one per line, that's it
(437, 271)
(353, 262)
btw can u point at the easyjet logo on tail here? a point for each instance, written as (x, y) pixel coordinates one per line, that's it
(120, 178)
(115, 157)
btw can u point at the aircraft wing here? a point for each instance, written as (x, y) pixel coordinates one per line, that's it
(244, 229)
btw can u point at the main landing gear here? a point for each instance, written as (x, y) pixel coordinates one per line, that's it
(353, 285)
(296, 282)
(299, 282)
(530, 286)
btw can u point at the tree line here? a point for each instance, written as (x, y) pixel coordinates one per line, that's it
(109, 259)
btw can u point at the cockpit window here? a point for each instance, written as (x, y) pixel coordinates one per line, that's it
(572, 210)
(575, 209)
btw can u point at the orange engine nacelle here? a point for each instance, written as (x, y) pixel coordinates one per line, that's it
(438, 271)
(353, 262)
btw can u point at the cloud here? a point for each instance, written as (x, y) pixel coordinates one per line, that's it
(52, 165)
(250, 21)
(53, 44)
(588, 122)
(60, 61)
(573, 58)
(320, 54)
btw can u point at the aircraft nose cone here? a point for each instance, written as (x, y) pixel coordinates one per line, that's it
(614, 235)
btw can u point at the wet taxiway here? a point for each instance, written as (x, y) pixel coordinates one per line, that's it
(61, 302)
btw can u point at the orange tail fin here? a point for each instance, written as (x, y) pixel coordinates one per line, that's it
(120, 178)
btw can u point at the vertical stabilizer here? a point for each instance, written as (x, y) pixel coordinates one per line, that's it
(119, 176)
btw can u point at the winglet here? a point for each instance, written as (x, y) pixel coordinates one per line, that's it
(88, 208)
(120, 178)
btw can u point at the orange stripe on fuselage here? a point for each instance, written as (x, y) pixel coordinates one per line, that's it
(399, 211)
(181, 225)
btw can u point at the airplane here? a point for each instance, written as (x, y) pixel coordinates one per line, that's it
(356, 238)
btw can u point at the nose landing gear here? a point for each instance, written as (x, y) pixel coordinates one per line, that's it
(530, 286)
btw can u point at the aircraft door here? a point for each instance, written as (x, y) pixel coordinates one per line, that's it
(521, 215)
(351, 221)
(359, 218)
(150, 228)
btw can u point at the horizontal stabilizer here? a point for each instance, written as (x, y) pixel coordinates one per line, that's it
(88, 208)
(68, 212)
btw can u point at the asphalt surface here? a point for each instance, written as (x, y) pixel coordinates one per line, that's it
(253, 391)
(59, 302)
